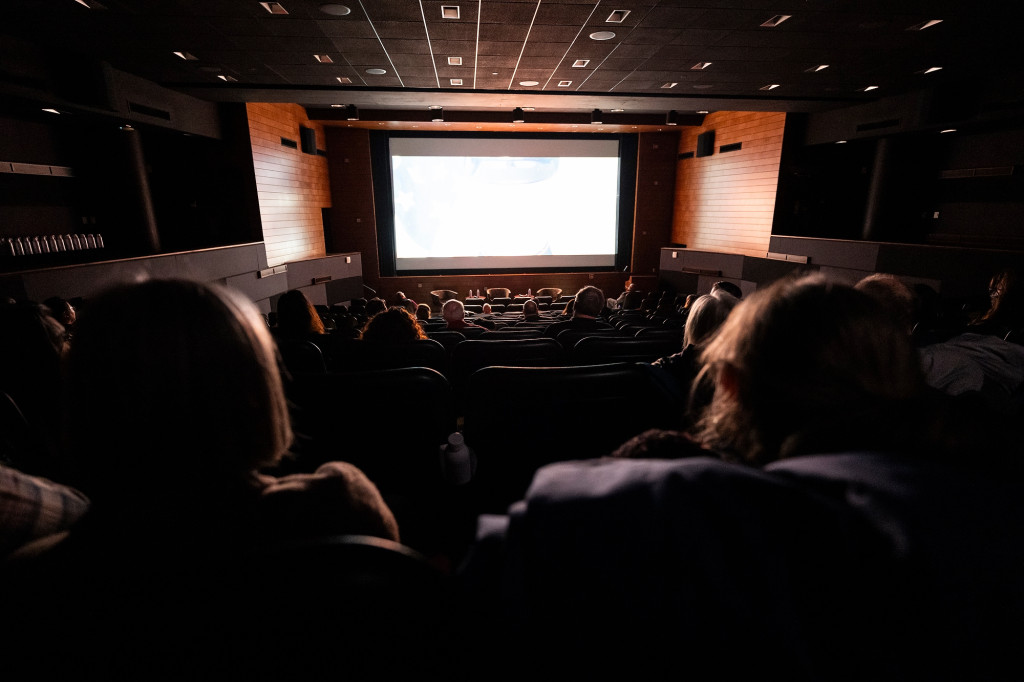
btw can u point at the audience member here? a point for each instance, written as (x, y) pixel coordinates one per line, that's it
(454, 314)
(33, 508)
(706, 315)
(297, 318)
(394, 325)
(588, 304)
(375, 305)
(810, 366)
(423, 312)
(531, 311)
(897, 298)
(727, 287)
(62, 311)
(1006, 311)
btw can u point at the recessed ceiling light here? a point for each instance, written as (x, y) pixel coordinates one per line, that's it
(924, 24)
(273, 7)
(335, 10)
(602, 35)
(816, 69)
(337, 106)
(948, 130)
(771, 86)
(933, 69)
(323, 58)
(434, 107)
(580, 63)
(617, 16)
(456, 81)
(564, 84)
(703, 111)
(345, 80)
(776, 20)
(449, 11)
(528, 109)
(666, 86)
(187, 56)
(700, 66)
(869, 88)
(616, 111)
(840, 141)
(228, 79)
(494, 73)
(454, 61)
(529, 84)
(52, 111)
(376, 72)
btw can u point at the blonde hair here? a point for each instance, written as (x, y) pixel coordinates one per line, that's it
(807, 365)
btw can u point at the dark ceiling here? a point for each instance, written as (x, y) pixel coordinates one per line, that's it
(242, 52)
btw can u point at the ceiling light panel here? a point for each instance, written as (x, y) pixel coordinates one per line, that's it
(776, 20)
(454, 61)
(924, 24)
(323, 58)
(580, 63)
(617, 17)
(700, 66)
(450, 11)
(187, 56)
(564, 84)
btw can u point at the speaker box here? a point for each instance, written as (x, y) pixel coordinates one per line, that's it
(706, 143)
(308, 139)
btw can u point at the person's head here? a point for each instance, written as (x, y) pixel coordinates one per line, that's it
(589, 302)
(632, 300)
(1007, 302)
(394, 325)
(727, 287)
(375, 305)
(807, 365)
(707, 314)
(896, 298)
(423, 312)
(453, 310)
(409, 305)
(173, 375)
(62, 310)
(296, 314)
(531, 309)
(486, 309)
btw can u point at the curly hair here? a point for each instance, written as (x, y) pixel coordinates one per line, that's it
(394, 325)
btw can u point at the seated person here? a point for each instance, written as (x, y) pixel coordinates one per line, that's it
(589, 302)
(394, 325)
(297, 318)
(454, 314)
(32, 508)
(531, 312)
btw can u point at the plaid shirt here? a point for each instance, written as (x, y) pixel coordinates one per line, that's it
(32, 508)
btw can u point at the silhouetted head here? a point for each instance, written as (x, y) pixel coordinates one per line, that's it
(296, 315)
(394, 325)
(589, 302)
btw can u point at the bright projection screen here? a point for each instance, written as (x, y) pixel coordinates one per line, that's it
(505, 204)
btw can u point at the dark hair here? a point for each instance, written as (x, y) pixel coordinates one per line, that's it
(727, 287)
(589, 301)
(296, 315)
(394, 325)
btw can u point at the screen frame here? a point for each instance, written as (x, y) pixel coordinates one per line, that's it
(384, 206)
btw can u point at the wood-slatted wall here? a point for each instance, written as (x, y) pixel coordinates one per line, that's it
(293, 186)
(725, 202)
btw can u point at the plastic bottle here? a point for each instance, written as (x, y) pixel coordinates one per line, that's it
(457, 460)
(478, 293)
(529, 292)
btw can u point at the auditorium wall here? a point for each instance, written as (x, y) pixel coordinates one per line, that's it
(725, 202)
(293, 186)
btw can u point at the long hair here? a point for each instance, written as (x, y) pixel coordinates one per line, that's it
(296, 315)
(173, 375)
(807, 365)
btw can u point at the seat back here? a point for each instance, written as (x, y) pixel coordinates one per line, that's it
(520, 418)
(353, 355)
(497, 292)
(595, 350)
(473, 354)
(300, 355)
(570, 337)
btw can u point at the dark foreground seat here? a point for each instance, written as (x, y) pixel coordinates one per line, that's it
(835, 567)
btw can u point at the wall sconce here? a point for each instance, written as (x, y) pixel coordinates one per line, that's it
(517, 115)
(595, 116)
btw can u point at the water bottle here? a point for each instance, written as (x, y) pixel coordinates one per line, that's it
(457, 460)
(478, 293)
(529, 292)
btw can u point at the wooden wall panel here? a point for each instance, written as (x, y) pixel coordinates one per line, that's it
(725, 202)
(655, 180)
(292, 186)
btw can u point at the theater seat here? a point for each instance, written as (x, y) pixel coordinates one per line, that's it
(595, 350)
(519, 418)
(472, 354)
(553, 292)
(497, 292)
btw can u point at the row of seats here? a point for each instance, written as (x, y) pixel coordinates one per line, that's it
(456, 357)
